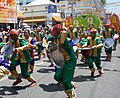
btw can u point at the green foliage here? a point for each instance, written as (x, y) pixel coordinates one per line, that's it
(86, 19)
(103, 1)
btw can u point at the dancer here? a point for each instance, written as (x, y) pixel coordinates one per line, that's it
(95, 53)
(39, 37)
(32, 45)
(108, 33)
(65, 75)
(21, 55)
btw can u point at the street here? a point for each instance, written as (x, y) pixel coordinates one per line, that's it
(107, 86)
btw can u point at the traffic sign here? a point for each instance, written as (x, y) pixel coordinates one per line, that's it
(52, 8)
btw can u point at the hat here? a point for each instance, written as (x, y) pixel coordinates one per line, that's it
(107, 25)
(13, 31)
(57, 28)
(93, 30)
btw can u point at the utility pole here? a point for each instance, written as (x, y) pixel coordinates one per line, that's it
(71, 3)
(32, 18)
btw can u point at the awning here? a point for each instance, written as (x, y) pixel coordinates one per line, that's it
(34, 20)
(20, 15)
(57, 18)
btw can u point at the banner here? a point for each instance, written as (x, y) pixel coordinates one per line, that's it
(8, 11)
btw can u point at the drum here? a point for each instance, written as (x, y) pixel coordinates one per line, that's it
(108, 43)
(7, 54)
(85, 51)
(55, 55)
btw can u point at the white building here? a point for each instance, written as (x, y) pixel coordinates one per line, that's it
(36, 12)
(77, 7)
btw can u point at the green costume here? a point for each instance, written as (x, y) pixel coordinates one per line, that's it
(84, 41)
(65, 75)
(23, 57)
(40, 37)
(94, 54)
(2, 44)
(72, 35)
(50, 38)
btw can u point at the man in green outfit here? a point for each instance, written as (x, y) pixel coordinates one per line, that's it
(71, 33)
(65, 75)
(39, 37)
(85, 53)
(94, 56)
(108, 33)
(21, 56)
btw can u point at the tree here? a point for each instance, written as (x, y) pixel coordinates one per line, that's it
(103, 1)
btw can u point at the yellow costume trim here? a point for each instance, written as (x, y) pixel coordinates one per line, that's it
(20, 50)
(62, 40)
(63, 37)
(107, 34)
(94, 51)
(72, 35)
(38, 37)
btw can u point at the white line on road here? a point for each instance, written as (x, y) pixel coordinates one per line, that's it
(5, 77)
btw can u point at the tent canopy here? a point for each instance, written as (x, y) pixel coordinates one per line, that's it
(40, 2)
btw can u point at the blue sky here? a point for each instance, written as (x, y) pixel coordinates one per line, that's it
(109, 1)
(114, 8)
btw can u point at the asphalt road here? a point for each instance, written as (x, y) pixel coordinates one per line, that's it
(107, 86)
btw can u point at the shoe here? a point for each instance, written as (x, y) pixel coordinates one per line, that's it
(106, 58)
(71, 93)
(74, 84)
(31, 71)
(109, 60)
(100, 73)
(17, 82)
(92, 74)
(32, 84)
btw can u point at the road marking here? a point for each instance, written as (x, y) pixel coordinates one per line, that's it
(6, 76)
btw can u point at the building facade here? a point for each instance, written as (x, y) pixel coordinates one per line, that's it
(78, 7)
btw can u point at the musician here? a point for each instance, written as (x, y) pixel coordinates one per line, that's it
(108, 33)
(31, 42)
(94, 56)
(82, 28)
(71, 34)
(99, 34)
(82, 44)
(65, 75)
(81, 31)
(33, 35)
(21, 55)
(90, 26)
(39, 37)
